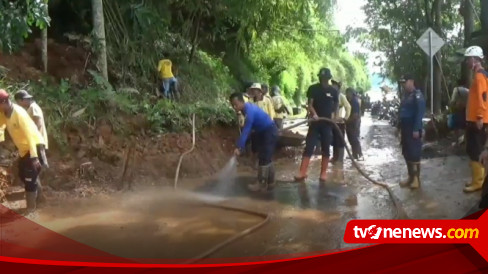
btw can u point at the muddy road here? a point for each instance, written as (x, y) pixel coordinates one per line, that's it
(155, 222)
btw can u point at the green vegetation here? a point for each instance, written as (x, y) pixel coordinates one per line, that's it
(216, 47)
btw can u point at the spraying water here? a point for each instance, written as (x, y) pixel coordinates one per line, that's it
(227, 176)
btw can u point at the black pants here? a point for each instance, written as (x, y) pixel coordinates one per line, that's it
(411, 147)
(338, 141)
(322, 131)
(28, 173)
(353, 130)
(475, 140)
(265, 142)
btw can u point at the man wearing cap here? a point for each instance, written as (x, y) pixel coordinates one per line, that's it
(323, 100)
(476, 117)
(412, 110)
(340, 116)
(29, 142)
(266, 138)
(262, 101)
(25, 100)
(279, 106)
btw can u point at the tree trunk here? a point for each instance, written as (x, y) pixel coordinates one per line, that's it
(44, 44)
(468, 15)
(99, 33)
(195, 38)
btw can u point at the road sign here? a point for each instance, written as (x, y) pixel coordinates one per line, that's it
(430, 42)
(424, 42)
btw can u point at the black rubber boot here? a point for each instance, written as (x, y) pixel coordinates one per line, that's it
(271, 177)
(31, 201)
(40, 193)
(264, 180)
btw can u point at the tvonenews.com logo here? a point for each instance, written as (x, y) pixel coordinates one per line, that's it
(375, 232)
(469, 231)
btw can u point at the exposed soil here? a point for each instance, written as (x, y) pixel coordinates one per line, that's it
(64, 62)
(99, 158)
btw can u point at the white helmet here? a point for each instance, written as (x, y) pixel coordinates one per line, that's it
(474, 51)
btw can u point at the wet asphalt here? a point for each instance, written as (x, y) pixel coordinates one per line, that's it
(308, 217)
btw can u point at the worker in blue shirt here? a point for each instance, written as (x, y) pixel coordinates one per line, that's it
(266, 136)
(412, 110)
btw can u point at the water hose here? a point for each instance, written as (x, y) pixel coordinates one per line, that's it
(400, 214)
(237, 236)
(177, 175)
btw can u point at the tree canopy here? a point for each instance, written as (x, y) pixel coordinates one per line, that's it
(230, 41)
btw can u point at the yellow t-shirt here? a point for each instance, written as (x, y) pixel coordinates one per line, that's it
(23, 131)
(36, 111)
(267, 105)
(164, 69)
(278, 103)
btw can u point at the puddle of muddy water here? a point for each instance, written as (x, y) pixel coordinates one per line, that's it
(147, 225)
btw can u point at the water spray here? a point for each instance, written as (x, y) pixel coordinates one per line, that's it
(232, 163)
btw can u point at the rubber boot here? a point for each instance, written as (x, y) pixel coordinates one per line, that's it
(302, 176)
(478, 174)
(323, 169)
(340, 155)
(40, 193)
(31, 201)
(409, 180)
(415, 176)
(264, 181)
(271, 177)
(262, 177)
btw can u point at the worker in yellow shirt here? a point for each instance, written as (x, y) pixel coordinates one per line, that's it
(279, 106)
(169, 82)
(265, 89)
(28, 141)
(340, 116)
(25, 100)
(262, 101)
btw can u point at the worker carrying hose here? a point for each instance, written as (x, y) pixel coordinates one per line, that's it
(266, 137)
(323, 100)
(476, 117)
(340, 116)
(412, 111)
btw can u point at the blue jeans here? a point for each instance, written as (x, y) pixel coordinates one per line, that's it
(166, 85)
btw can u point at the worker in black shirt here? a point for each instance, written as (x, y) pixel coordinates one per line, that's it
(323, 100)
